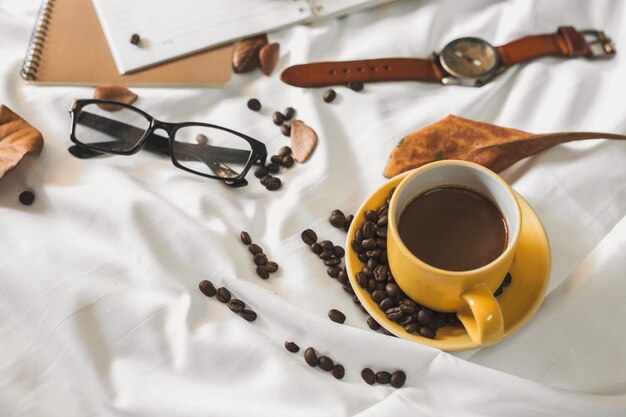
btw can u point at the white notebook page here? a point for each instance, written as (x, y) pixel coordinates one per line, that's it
(169, 29)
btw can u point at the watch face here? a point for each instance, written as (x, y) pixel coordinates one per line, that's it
(469, 58)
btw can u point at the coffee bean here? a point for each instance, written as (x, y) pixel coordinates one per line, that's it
(254, 104)
(327, 245)
(410, 318)
(272, 168)
(222, 295)
(425, 318)
(370, 216)
(371, 262)
(135, 39)
(333, 271)
(202, 139)
(310, 357)
(278, 118)
(271, 267)
(284, 151)
(381, 243)
(348, 288)
(325, 363)
(207, 288)
(361, 278)
(398, 379)
(26, 198)
(317, 248)
(368, 271)
(337, 218)
(427, 332)
(373, 324)
(266, 179)
(329, 95)
(382, 209)
(342, 277)
(368, 376)
(236, 305)
(387, 303)
(326, 255)
(388, 333)
(356, 300)
(288, 113)
(369, 244)
(254, 249)
(276, 159)
(355, 85)
(412, 328)
(245, 238)
(260, 259)
(349, 220)
(369, 230)
(440, 320)
(378, 296)
(356, 246)
(274, 184)
(382, 221)
(394, 313)
(407, 308)
(380, 273)
(371, 287)
(392, 290)
(362, 257)
(358, 235)
(373, 253)
(383, 377)
(337, 316)
(332, 262)
(262, 272)
(338, 371)
(292, 347)
(381, 232)
(285, 130)
(248, 315)
(309, 237)
(287, 161)
(339, 252)
(507, 280)
(453, 320)
(380, 286)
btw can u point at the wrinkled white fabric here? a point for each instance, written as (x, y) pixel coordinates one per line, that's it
(100, 314)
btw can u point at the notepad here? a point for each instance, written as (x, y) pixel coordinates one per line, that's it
(171, 29)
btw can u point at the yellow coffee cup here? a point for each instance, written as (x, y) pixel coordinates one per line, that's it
(468, 293)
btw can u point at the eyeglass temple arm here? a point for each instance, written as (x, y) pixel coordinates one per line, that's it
(155, 143)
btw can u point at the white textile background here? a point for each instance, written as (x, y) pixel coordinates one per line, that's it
(100, 314)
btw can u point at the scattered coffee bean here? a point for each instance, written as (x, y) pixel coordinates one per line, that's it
(292, 347)
(338, 371)
(222, 295)
(337, 218)
(285, 130)
(248, 315)
(284, 151)
(254, 249)
(332, 262)
(276, 159)
(310, 357)
(135, 39)
(316, 248)
(355, 85)
(349, 219)
(202, 139)
(330, 95)
(245, 238)
(207, 288)
(368, 376)
(262, 272)
(339, 252)
(260, 259)
(325, 363)
(348, 288)
(373, 324)
(287, 161)
(333, 271)
(278, 118)
(271, 267)
(342, 277)
(274, 184)
(398, 379)
(236, 305)
(288, 113)
(254, 104)
(272, 168)
(326, 255)
(337, 316)
(309, 237)
(27, 198)
(327, 245)
(383, 377)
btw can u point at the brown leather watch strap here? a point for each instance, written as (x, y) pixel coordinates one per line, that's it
(566, 42)
(320, 74)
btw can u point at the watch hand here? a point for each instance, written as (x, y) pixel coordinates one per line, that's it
(467, 58)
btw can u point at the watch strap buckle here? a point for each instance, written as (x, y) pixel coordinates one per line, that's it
(601, 46)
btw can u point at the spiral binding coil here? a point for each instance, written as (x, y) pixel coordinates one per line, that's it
(37, 39)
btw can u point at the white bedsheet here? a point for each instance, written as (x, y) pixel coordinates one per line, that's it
(100, 314)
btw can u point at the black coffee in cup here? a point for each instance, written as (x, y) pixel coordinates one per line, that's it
(453, 228)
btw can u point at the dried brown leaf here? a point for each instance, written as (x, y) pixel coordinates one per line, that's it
(117, 93)
(494, 147)
(303, 141)
(269, 55)
(17, 137)
(246, 53)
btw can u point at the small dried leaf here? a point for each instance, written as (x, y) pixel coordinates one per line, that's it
(246, 54)
(269, 55)
(117, 93)
(494, 147)
(303, 141)
(17, 137)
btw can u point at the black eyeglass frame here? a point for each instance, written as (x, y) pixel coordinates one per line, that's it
(157, 143)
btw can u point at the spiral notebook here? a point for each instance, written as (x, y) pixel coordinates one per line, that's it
(68, 47)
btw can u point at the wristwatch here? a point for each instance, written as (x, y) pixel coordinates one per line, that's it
(465, 61)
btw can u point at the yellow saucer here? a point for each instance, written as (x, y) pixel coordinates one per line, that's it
(530, 272)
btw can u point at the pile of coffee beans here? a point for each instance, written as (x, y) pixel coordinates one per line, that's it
(313, 360)
(265, 173)
(370, 244)
(224, 296)
(331, 255)
(396, 379)
(264, 267)
(281, 119)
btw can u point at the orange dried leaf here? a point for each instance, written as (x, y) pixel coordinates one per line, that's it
(494, 147)
(303, 141)
(17, 137)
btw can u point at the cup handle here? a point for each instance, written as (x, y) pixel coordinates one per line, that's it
(482, 317)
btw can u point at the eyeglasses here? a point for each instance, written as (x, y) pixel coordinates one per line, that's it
(104, 126)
